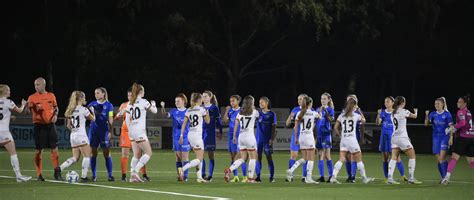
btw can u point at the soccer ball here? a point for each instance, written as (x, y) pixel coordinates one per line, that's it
(72, 177)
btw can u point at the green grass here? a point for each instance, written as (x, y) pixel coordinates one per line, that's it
(162, 171)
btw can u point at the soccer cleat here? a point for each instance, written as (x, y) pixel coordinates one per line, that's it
(209, 179)
(245, 179)
(310, 181)
(367, 180)
(201, 180)
(84, 180)
(414, 181)
(227, 175)
(236, 179)
(23, 178)
(289, 176)
(272, 180)
(321, 179)
(445, 181)
(111, 179)
(252, 180)
(351, 180)
(124, 178)
(180, 174)
(146, 178)
(329, 179)
(385, 181)
(392, 182)
(94, 179)
(404, 179)
(57, 174)
(40, 178)
(135, 178)
(333, 180)
(303, 179)
(258, 180)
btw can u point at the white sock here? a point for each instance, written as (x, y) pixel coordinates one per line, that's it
(297, 164)
(251, 169)
(309, 169)
(236, 164)
(199, 170)
(193, 163)
(411, 168)
(15, 165)
(361, 167)
(133, 163)
(336, 169)
(86, 162)
(68, 163)
(142, 162)
(391, 168)
(448, 175)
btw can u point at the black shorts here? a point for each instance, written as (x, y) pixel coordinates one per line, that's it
(464, 146)
(45, 136)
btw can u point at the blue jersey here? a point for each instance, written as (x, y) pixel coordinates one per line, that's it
(178, 116)
(209, 130)
(102, 113)
(387, 124)
(265, 124)
(232, 114)
(440, 122)
(324, 123)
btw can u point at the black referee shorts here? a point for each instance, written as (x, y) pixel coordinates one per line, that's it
(45, 136)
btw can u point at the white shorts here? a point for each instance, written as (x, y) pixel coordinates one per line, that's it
(401, 142)
(350, 145)
(138, 135)
(79, 139)
(195, 141)
(5, 136)
(247, 142)
(306, 141)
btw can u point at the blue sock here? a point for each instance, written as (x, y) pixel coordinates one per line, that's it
(445, 167)
(108, 165)
(400, 168)
(203, 168)
(330, 167)
(291, 162)
(271, 168)
(178, 165)
(354, 169)
(305, 164)
(385, 169)
(211, 167)
(440, 169)
(236, 173)
(321, 168)
(187, 171)
(94, 166)
(348, 168)
(258, 168)
(244, 169)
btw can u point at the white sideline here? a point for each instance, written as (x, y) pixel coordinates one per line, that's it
(133, 189)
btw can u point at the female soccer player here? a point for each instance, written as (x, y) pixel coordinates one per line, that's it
(441, 120)
(195, 116)
(349, 144)
(351, 164)
(384, 118)
(209, 135)
(178, 116)
(125, 142)
(6, 139)
(324, 140)
(294, 149)
(136, 118)
(229, 118)
(401, 141)
(464, 142)
(266, 133)
(305, 120)
(247, 141)
(76, 115)
(100, 131)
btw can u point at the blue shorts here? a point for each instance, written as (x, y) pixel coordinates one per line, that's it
(209, 143)
(98, 137)
(440, 143)
(233, 148)
(324, 141)
(385, 144)
(293, 146)
(264, 147)
(185, 147)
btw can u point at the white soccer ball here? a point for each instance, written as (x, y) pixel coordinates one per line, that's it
(72, 177)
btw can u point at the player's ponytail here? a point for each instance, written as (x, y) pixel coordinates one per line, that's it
(247, 105)
(351, 104)
(399, 100)
(3, 90)
(213, 97)
(304, 108)
(136, 89)
(330, 102)
(74, 100)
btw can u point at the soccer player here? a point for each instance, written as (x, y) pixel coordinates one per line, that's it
(384, 118)
(441, 120)
(351, 164)
(324, 130)
(178, 115)
(6, 139)
(294, 149)
(44, 109)
(246, 140)
(401, 141)
(464, 142)
(347, 121)
(76, 115)
(195, 116)
(136, 118)
(125, 142)
(229, 118)
(305, 120)
(266, 133)
(209, 135)
(100, 131)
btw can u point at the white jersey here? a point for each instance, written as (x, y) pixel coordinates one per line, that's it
(195, 117)
(6, 105)
(308, 122)
(399, 120)
(78, 120)
(348, 125)
(137, 115)
(247, 123)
